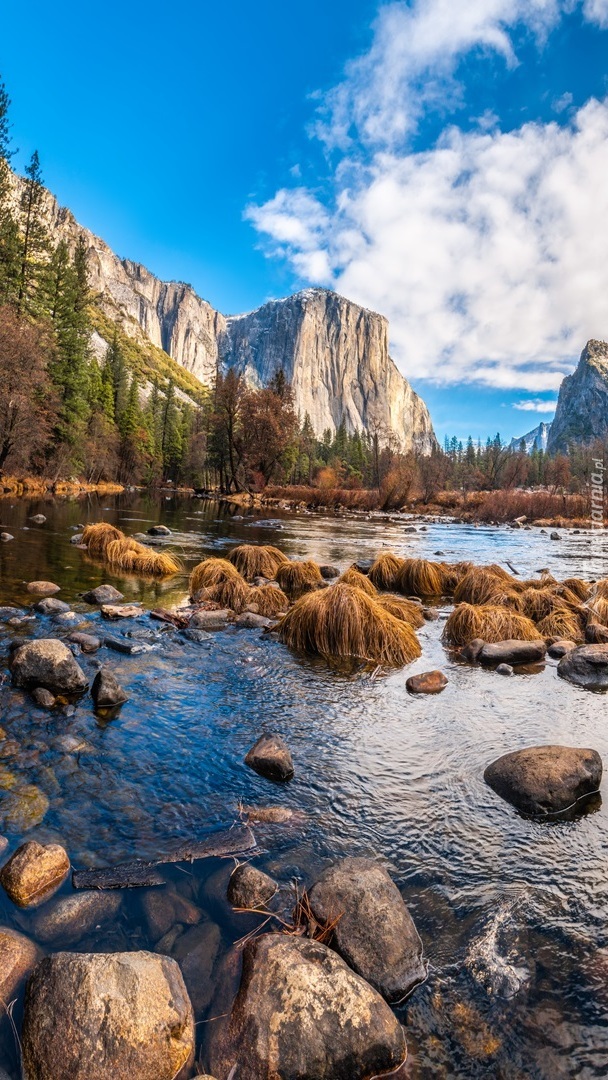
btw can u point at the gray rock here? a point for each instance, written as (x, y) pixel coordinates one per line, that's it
(363, 565)
(249, 887)
(128, 648)
(210, 620)
(76, 538)
(301, 1012)
(163, 908)
(586, 666)
(504, 669)
(541, 780)
(68, 618)
(472, 649)
(198, 636)
(329, 572)
(513, 652)
(374, 932)
(47, 663)
(106, 690)
(51, 606)
(582, 405)
(159, 530)
(18, 957)
(87, 642)
(103, 594)
(596, 633)
(196, 952)
(560, 648)
(43, 698)
(66, 920)
(270, 757)
(118, 1016)
(555, 536)
(250, 620)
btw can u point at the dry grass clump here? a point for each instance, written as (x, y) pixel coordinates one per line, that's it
(232, 593)
(211, 572)
(452, 574)
(581, 589)
(598, 609)
(506, 597)
(342, 623)
(601, 588)
(358, 581)
(256, 561)
(487, 621)
(298, 578)
(480, 584)
(406, 610)
(99, 535)
(131, 557)
(385, 570)
(267, 600)
(419, 577)
(562, 623)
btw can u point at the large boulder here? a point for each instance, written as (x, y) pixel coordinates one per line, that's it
(586, 666)
(374, 932)
(34, 873)
(18, 956)
(270, 757)
(107, 1016)
(301, 1012)
(50, 664)
(512, 652)
(541, 780)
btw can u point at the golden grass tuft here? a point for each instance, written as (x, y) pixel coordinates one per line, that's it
(581, 589)
(232, 593)
(211, 572)
(268, 600)
(342, 623)
(601, 588)
(452, 574)
(298, 578)
(385, 570)
(419, 577)
(358, 581)
(98, 535)
(256, 561)
(598, 609)
(506, 597)
(561, 623)
(480, 584)
(489, 622)
(406, 610)
(131, 557)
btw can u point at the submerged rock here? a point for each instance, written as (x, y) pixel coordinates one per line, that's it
(18, 956)
(210, 620)
(249, 887)
(250, 620)
(51, 606)
(159, 530)
(23, 808)
(375, 932)
(50, 664)
(586, 666)
(119, 1016)
(541, 780)
(103, 594)
(38, 519)
(472, 649)
(106, 690)
(196, 952)
(163, 908)
(66, 920)
(88, 643)
(301, 1012)
(271, 757)
(428, 682)
(504, 669)
(34, 873)
(43, 698)
(512, 652)
(43, 588)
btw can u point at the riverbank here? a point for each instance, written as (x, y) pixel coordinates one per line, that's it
(37, 486)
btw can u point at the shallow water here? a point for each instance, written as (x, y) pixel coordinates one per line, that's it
(513, 914)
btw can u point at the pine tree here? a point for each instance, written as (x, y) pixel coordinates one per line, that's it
(9, 229)
(71, 368)
(34, 244)
(172, 433)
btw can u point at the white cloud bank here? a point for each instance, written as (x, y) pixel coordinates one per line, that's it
(537, 405)
(487, 252)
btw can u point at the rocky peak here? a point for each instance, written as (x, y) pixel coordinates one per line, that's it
(581, 416)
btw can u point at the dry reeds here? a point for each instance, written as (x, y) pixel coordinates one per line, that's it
(267, 600)
(257, 561)
(489, 622)
(98, 535)
(480, 584)
(601, 588)
(232, 593)
(419, 577)
(452, 574)
(342, 623)
(385, 571)
(126, 555)
(358, 581)
(598, 608)
(406, 610)
(298, 578)
(561, 623)
(211, 572)
(581, 589)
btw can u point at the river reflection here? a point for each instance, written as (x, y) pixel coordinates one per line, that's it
(513, 914)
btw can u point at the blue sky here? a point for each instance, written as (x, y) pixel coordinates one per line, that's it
(444, 164)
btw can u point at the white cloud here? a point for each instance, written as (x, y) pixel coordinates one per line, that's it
(487, 251)
(596, 11)
(537, 405)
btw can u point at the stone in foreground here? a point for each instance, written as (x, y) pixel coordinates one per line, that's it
(18, 956)
(118, 1016)
(249, 887)
(541, 780)
(50, 664)
(560, 647)
(34, 873)
(103, 594)
(428, 682)
(513, 652)
(301, 1012)
(270, 757)
(106, 691)
(586, 666)
(375, 932)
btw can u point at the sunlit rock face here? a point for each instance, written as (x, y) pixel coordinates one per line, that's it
(582, 407)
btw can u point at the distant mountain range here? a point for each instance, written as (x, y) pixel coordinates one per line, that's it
(534, 440)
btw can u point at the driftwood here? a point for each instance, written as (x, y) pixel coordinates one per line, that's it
(134, 875)
(180, 621)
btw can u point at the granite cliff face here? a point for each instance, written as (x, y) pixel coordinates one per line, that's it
(582, 405)
(334, 352)
(536, 439)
